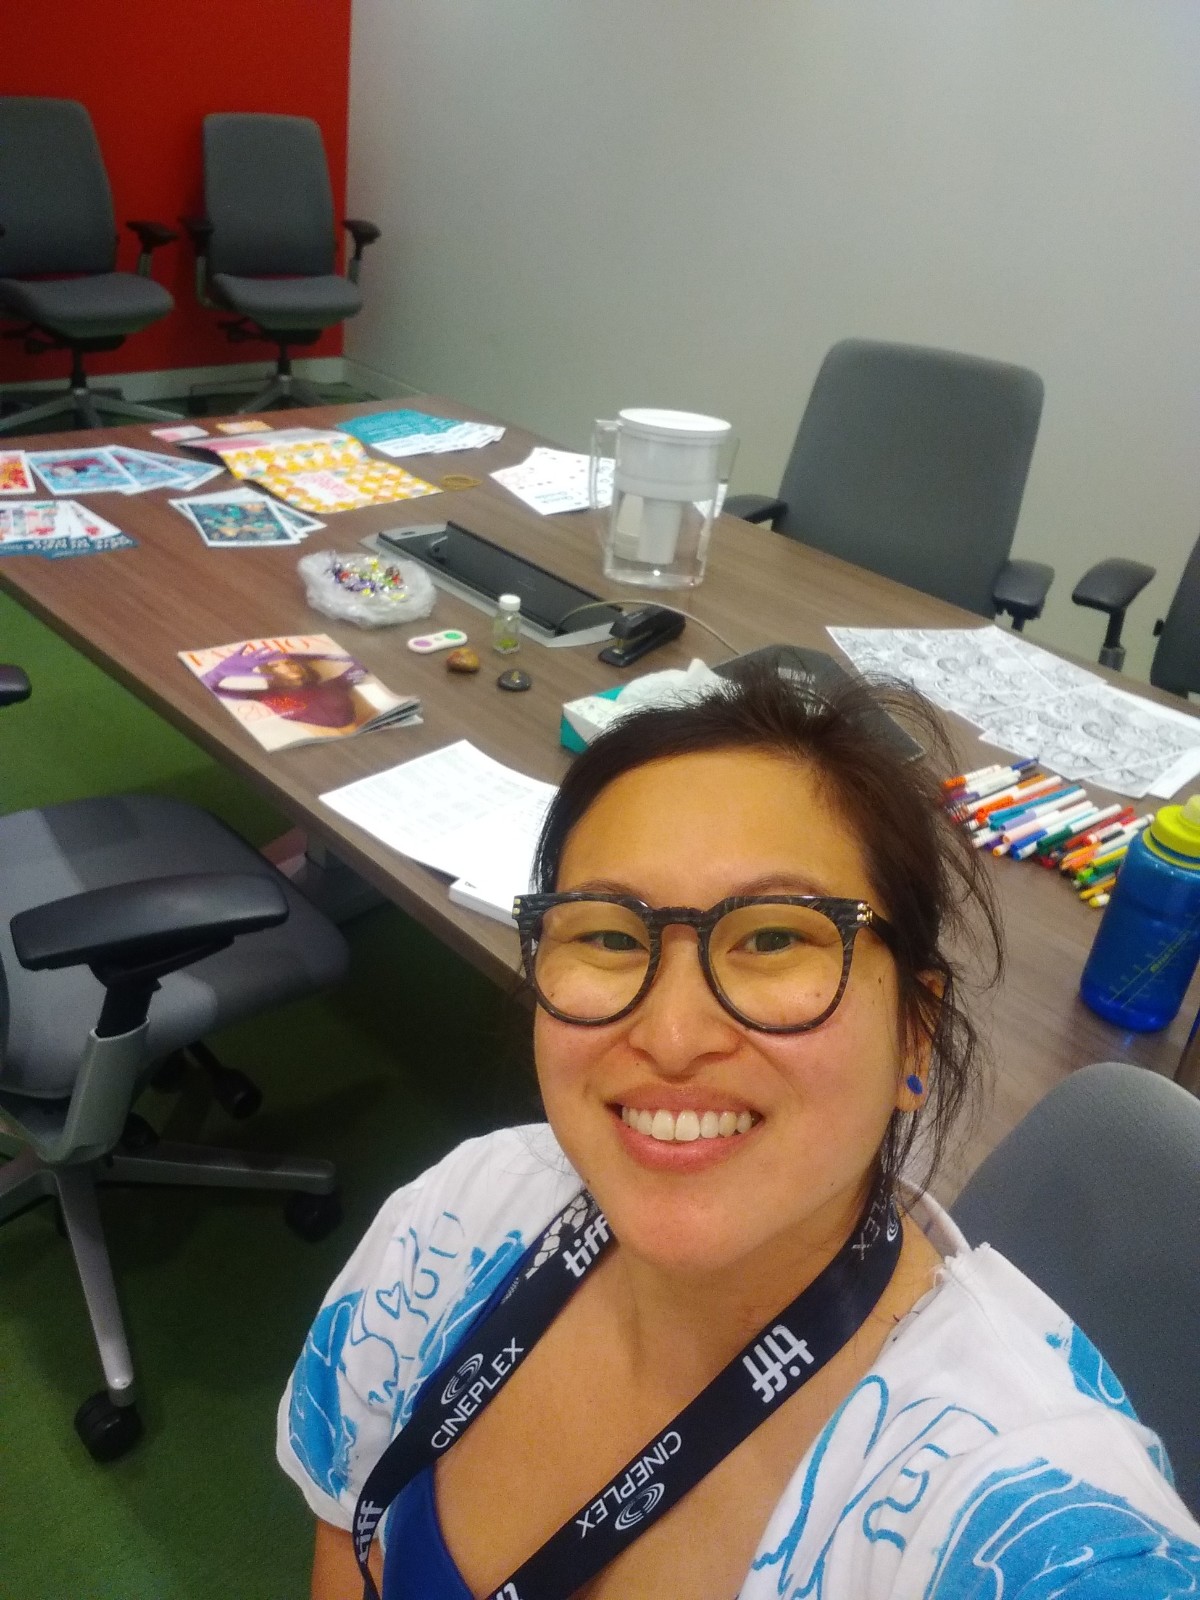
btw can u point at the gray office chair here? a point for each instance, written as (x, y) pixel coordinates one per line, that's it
(1095, 1195)
(131, 926)
(1112, 586)
(265, 248)
(912, 462)
(58, 251)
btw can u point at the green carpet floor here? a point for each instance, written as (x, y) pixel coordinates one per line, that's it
(411, 1054)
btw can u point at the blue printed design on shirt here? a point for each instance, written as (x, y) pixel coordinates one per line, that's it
(486, 1274)
(386, 1343)
(1030, 1531)
(320, 1435)
(852, 1433)
(1091, 1373)
(1092, 1376)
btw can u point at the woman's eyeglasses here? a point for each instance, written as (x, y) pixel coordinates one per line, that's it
(777, 963)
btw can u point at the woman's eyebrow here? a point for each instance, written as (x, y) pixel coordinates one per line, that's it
(766, 883)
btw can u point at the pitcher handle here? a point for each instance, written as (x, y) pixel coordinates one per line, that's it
(600, 428)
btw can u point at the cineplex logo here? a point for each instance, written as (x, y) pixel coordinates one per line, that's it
(632, 1497)
(471, 1390)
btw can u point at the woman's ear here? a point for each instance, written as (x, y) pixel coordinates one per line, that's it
(913, 1088)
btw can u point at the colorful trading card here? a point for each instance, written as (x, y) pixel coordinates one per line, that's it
(80, 471)
(176, 435)
(15, 476)
(224, 522)
(149, 471)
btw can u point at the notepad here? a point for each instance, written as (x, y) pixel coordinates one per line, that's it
(460, 812)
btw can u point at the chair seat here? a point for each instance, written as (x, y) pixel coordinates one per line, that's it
(105, 305)
(91, 844)
(289, 303)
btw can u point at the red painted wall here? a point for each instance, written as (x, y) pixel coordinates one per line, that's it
(148, 71)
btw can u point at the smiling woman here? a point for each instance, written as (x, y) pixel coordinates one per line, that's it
(704, 1334)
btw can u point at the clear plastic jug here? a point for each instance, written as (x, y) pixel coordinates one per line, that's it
(670, 470)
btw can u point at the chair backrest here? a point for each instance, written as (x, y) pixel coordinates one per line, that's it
(1176, 664)
(912, 462)
(56, 206)
(1096, 1197)
(267, 195)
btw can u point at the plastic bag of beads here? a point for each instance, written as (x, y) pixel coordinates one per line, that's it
(373, 591)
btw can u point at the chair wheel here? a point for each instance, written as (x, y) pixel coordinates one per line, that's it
(312, 1216)
(107, 1430)
(234, 1092)
(138, 1134)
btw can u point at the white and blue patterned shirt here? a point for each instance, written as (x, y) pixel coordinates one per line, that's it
(990, 1451)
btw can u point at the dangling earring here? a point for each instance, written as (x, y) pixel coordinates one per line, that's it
(915, 1085)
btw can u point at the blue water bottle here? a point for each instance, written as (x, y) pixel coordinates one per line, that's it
(1147, 947)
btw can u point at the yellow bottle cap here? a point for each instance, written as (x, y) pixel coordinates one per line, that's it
(1178, 827)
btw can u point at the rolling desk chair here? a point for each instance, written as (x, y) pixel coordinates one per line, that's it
(1096, 1197)
(265, 249)
(58, 251)
(1112, 586)
(130, 926)
(912, 462)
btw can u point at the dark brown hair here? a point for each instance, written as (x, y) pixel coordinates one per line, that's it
(928, 881)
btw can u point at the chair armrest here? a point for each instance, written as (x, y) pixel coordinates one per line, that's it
(1021, 588)
(133, 934)
(754, 507)
(363, 234)
(149, 921)
(151, 235)
(200, 230)
(14, 686)
(1112, 585)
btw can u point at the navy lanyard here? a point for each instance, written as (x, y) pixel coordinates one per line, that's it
(780, 1359)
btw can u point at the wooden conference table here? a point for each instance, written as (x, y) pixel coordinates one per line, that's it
(132, 610)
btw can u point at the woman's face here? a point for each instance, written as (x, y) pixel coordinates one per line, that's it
(688, 831)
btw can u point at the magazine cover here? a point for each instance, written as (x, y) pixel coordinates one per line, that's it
(297, 690)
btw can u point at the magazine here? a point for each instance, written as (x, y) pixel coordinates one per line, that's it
(297, 690)
(316, 469)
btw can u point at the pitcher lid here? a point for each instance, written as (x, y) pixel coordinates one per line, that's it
(672, 424)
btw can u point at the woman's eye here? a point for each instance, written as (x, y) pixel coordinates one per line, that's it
(763, 941)
(611, 939)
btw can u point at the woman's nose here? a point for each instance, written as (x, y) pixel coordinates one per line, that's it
(680, 1022)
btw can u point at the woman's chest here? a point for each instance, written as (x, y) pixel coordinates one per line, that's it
(572, 1442)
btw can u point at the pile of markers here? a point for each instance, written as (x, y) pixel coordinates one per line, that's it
(1021, 811)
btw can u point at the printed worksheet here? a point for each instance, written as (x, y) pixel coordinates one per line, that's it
(1025, 700)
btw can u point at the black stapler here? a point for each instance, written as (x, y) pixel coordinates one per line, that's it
(636, 633)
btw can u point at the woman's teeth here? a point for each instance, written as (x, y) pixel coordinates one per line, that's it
(684, 1126)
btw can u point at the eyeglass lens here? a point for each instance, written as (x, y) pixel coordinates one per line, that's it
(778, 965)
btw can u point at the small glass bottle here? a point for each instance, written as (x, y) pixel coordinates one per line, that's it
(506, 625)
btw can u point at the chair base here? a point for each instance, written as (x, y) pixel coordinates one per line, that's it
(284, 389)
(26, 1179)
(91, 408)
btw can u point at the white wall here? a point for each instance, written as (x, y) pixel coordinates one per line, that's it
(595, 203)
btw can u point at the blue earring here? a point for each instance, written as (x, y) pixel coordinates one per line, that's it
(915, 1084)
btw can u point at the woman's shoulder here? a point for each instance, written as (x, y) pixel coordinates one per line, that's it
(990, 1435)
(437, 1250)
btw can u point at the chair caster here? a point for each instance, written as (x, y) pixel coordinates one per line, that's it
(234, 1092)
(107, 1430)
(312, 1216)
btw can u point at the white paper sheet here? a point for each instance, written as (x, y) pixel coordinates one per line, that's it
(457, 810)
